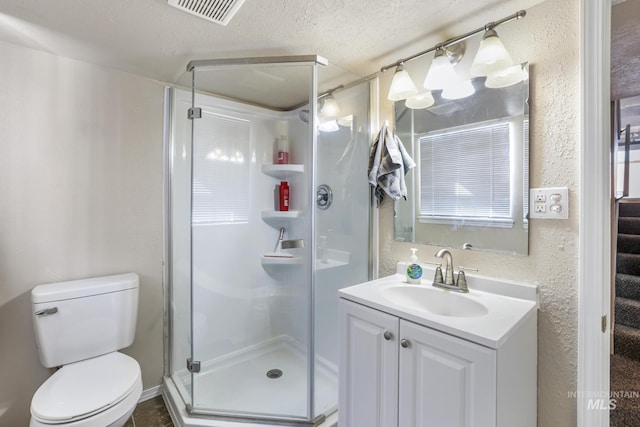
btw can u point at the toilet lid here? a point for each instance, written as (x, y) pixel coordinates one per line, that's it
(85, 388)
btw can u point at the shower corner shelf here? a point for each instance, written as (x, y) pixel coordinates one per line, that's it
(280, 260)
(282, 171)
(266, 215)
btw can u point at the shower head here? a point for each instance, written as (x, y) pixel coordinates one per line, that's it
(304, 115)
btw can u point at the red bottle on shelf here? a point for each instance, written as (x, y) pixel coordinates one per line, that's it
(284, 196)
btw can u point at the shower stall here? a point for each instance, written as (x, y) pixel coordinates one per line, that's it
(252, 302)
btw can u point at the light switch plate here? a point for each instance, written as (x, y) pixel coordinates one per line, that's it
(549, 203)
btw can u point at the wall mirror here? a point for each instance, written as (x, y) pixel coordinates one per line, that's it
(470, 188)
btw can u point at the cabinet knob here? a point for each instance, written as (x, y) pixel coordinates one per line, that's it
(404, 343)
(387, 335)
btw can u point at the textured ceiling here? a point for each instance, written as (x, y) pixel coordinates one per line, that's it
(625, 49)
(150, 38)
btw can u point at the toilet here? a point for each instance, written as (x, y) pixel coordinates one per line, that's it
(79, 327)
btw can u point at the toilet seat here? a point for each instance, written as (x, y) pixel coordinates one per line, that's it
(87, 388)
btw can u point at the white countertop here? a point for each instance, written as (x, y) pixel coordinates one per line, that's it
(509, 304)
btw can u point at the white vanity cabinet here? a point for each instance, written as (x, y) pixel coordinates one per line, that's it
(368, 383)
(443, 380)
(397, 373)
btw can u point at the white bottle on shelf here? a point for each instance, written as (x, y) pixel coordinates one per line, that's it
(282, 142)
(283, 150)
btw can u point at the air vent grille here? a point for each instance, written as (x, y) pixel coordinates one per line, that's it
(218, 11)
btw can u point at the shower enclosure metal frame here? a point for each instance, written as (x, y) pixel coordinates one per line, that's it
(314, 61)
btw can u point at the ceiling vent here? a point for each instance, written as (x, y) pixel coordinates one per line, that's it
(218, 11)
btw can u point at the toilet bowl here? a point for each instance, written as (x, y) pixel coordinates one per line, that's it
(79, 327)
(101, 391)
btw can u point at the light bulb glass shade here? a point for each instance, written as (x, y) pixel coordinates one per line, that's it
(328, 126)
(508, 77)
(492, 57)
(330, 108)
(402, 86)
(441, 73)
(462, 90)
(422, 100)
(346, 121)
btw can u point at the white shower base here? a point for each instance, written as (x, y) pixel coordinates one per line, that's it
(237, 383)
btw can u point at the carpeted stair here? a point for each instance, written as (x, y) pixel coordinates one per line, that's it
(629, 243)
(627, 304)
(625, 406)
(625, 363)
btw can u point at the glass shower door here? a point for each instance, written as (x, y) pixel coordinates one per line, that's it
(251, 293)
(180, 246)
(342, 227)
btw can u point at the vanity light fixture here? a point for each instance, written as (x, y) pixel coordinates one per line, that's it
(460, 90)
(329, 111)
(329, 126)
(346, 121)
(512, 75)
(420, 101)
(491, 59)
(441, 73)
(402, 86)
(330, 108)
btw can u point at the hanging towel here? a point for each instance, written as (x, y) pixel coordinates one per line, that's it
(389, 162)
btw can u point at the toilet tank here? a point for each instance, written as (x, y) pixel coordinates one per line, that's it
(80, 319)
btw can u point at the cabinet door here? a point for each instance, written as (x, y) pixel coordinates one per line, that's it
(368, 367)
(444, 381)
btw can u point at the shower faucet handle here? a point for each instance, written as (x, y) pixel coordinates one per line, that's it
(324, 196)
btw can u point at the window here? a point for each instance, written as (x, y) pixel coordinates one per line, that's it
(465, 175)
(629, 114)
(221, 170)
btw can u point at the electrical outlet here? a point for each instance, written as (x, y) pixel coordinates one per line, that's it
(549, 203)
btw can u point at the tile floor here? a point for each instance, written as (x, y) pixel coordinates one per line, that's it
(152, 413)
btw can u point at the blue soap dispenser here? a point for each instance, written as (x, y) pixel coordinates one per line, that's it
(414, 270)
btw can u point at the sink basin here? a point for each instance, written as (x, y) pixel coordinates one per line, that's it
(487, 315)
(432, 300)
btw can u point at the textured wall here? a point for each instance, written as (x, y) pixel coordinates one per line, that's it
(81, 195)
(548, 38)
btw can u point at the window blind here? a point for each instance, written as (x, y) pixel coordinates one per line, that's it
(221, 170)
(465, 174)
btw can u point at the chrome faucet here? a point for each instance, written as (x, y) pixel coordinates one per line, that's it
(459, 285)
(448, 269)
